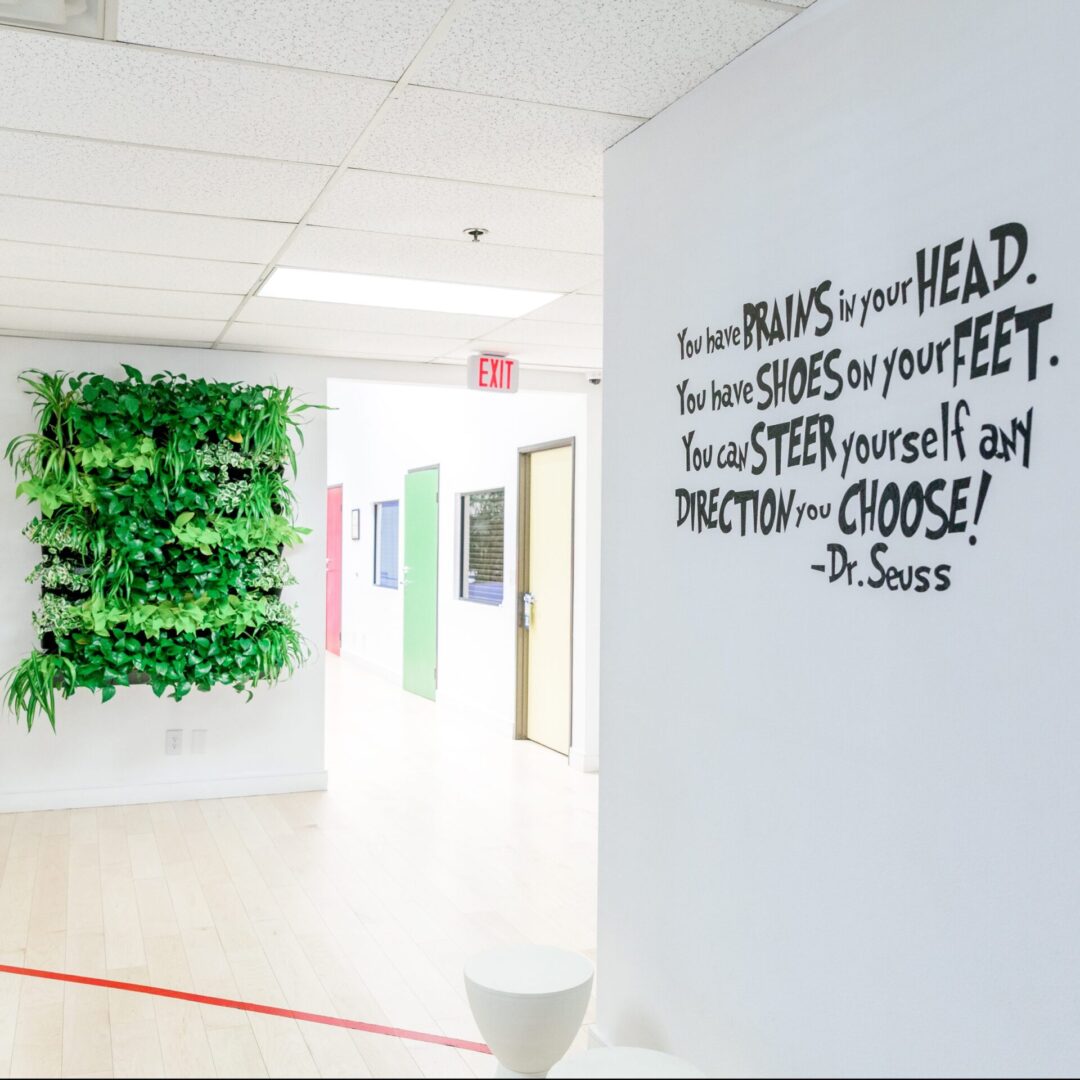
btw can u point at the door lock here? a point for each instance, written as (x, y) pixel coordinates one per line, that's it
(527, 601)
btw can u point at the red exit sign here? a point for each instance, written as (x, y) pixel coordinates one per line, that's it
(487, 372)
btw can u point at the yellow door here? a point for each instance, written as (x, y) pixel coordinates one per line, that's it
(547, 615)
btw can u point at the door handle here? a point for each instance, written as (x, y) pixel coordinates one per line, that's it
(527, 601)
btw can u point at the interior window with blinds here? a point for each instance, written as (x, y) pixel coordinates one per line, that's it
(482, 546)
(386, 544)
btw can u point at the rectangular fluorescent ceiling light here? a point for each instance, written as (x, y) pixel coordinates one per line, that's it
(334, 287)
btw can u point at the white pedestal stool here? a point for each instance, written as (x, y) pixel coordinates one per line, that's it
(623, 1061)
(528, 1002)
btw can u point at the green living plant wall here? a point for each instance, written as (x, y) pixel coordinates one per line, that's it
(163, 515)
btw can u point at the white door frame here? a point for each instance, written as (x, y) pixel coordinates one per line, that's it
(521, 705)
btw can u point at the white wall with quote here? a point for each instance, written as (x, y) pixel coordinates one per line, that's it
(840, 814)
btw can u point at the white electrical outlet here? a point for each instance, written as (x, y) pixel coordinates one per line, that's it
(198, 741)
(174, 741)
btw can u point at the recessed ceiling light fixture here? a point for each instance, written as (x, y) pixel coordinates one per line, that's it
(335, 287)
(84, 18)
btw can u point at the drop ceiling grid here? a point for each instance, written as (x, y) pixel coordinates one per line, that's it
(356, 342)
(114, 299)
(42, 262)
(429, 41)
(582, 226)
(144, 178)
(312, 247)
(545, 355)
(180, 101)
(160, 329)
(375, 38)
(578, 307)
(319, 248)
(631, 58)
(522, 332)
(270, 311)
(450, 135)
(138, 252)
(144, 232)
(420, 206)
(530, 350)
(239, 145)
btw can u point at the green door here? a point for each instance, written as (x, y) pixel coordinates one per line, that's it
(421, 580)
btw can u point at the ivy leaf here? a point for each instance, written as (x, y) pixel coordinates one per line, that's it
(140, 490)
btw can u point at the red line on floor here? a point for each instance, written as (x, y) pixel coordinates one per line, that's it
(248, 1006)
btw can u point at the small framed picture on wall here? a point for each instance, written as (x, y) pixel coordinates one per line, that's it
(355, 525)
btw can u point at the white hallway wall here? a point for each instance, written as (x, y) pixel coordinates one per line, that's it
(377, 434)
(839, 826)
(114, 753)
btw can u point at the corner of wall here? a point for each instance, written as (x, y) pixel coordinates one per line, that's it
(584, 761)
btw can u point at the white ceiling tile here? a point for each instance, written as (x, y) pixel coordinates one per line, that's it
(111, 174)
(91, 325)
(576, 308)
(559, 356)
(421, 206)
(42, 221)
(440, 260)
(44, 262)
(375, 320)
(556, 356)
(115, 299)
(69, 86)
(525, 332)
(304, 339)
(376, 37)
(626, 56)
(489, 140)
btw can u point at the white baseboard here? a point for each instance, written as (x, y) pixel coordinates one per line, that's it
(75, 798)
(584, 762)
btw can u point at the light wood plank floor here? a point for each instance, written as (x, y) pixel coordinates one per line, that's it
(434, 841)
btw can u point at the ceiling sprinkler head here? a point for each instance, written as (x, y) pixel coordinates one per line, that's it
(475, 234)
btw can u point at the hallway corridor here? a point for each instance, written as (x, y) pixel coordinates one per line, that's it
(434, 841)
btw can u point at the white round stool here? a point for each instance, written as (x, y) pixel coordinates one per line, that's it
(623, 1061)
(528, 1001)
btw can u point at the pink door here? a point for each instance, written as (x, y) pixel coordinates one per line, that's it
(333, 570)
